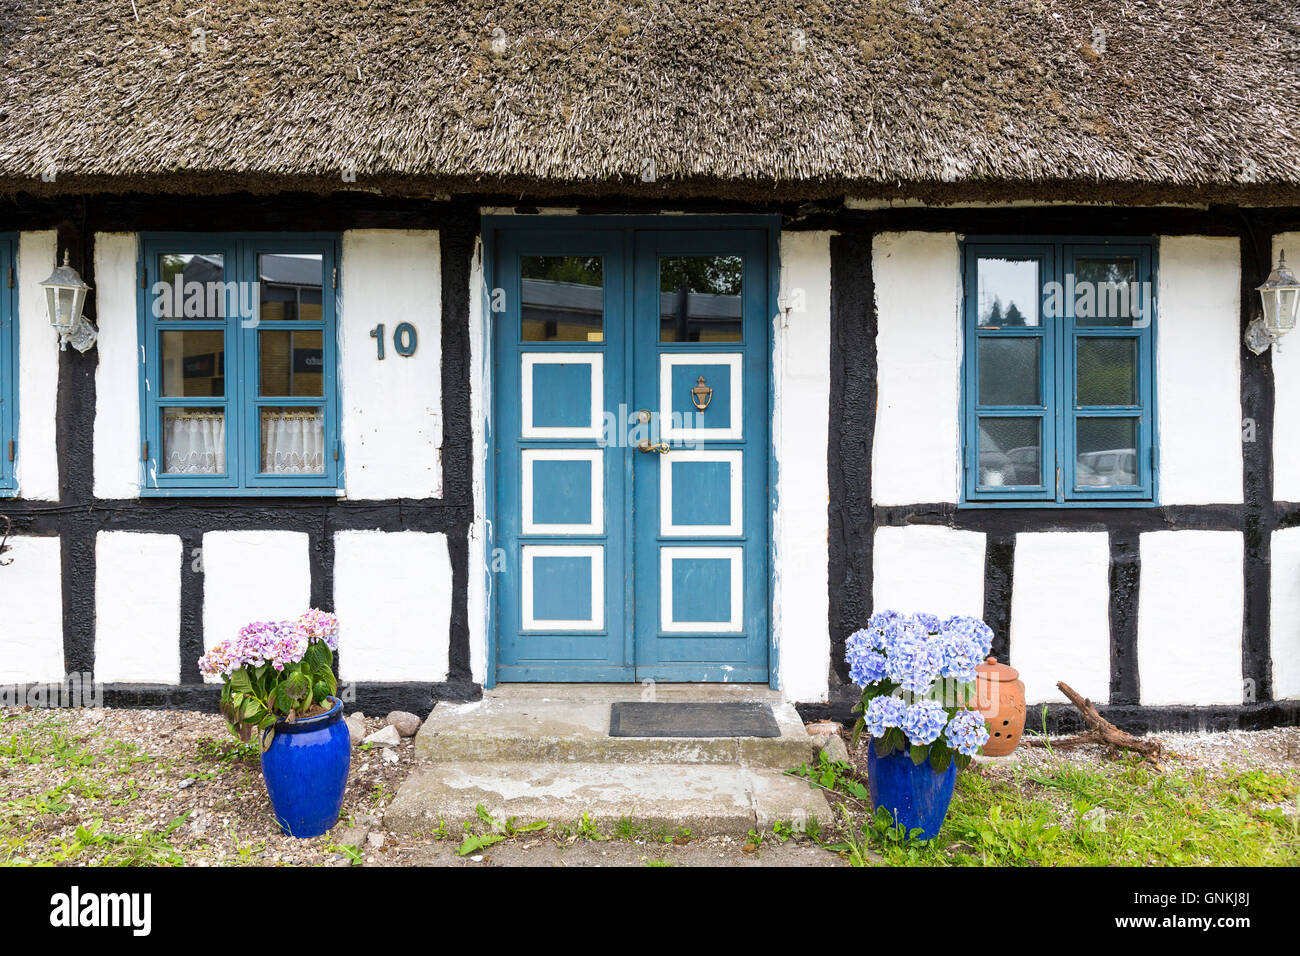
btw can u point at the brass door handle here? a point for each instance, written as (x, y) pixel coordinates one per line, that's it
(648, 446)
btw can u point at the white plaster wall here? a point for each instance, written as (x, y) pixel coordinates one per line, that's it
(1198, 375)
(137, 607)
(799, 440)
(1189, 617)
(38, 371)
(1285, 612)
(392, 409)
(929, 568)
(392, 594)
(31, 594)
(918, 302)
(1286, 394)
(1060, 614)
(252, 576)
(117, 378)
(480, 572)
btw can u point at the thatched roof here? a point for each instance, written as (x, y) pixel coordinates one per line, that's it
(1180, 99)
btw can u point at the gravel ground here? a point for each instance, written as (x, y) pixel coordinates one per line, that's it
(142, 772)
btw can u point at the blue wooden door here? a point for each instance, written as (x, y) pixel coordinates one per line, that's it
(630, 453)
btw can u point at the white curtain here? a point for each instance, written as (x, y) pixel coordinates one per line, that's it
(293, 442)
(194, 443)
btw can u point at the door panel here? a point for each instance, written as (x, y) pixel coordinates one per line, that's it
(623, 563)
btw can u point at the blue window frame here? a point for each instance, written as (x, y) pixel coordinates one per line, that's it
(8, 363)
(239, 383)
(1058, 384)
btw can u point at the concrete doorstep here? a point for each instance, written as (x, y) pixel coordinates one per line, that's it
(543, 752)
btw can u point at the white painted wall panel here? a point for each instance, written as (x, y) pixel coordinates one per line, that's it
(117, 378)
(799, 439)
(38, 371)
(1060, 614)
(1198, 385)
(31, 637)
(480, 572)
(929, 568)
(1286, 393)
(392, 409)
(252, 576)
(1285, 614)
(137, 607)
(918, 302)
(1189, 617)
(392, 594)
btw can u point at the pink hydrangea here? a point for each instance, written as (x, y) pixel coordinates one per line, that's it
(320, 626)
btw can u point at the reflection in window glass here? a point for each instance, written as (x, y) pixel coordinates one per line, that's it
(1106, 291)
(700, 298)
(194, 441)
(291, 363)
(293, 441)
(194, 287)
(1106, 452)
(1009, 371)
(1009, 292)
(1010, 452)
(562, 299)
(1107, 370)
(289, 287)
(193, 362)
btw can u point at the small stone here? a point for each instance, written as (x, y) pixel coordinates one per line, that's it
(350, 836)
(407, 724)
(385, 737)
(834, 748)
(187, 782)
(366, 820)
(823, 728)
(389, 756)
(356, 727)
(375, 840)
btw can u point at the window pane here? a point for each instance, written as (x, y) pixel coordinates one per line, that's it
(291, 363)
(192, 287)
(1106, 452)
(1008, 293)
(699, 298)
(293, 441)
(194, 441)
(1010, 451)
(563, 298)
(1107, 370)
(193, 362)
(1107, 293)
(1009, 372)
(289, 287)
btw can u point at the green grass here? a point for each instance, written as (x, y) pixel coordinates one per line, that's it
(1104, 814)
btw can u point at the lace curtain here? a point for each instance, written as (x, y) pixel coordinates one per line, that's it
(194, 443)
(293, 442)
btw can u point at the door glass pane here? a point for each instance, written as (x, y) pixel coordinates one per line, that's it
(1107, 293)
(1008, 292)
(1107, 370)
(289, 287)
(193, 441)
(293, 441)
(700, 298)
(1105, 452)
(1010, 451)
(192, 362)
(563, 299)
(1009, 371)
(191, 287)
(291, 362)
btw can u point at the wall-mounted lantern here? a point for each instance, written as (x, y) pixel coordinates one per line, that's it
(1281, 297)
(65, 295)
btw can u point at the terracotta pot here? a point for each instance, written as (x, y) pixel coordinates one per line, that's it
(1000, 697)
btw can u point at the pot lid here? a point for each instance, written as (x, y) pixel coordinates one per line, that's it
(992, 670)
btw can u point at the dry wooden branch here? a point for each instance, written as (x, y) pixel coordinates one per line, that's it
(1100, 731)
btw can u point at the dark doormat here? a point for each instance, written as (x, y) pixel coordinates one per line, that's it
(749, 718)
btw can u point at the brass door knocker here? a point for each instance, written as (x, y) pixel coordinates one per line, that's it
(701, 394)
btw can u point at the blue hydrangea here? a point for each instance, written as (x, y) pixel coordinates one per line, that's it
(883, 713)
(924, 721)
(966, 733)
(866, 664)
(915, 666)
(972, 629)
(929, 623)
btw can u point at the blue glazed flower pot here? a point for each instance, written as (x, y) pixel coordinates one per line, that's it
(916, 796)
(306, 771)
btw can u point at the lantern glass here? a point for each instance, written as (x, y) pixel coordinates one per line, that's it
(1280, 295)
(64, 304)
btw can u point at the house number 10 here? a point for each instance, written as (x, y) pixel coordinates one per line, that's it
(405, 339)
